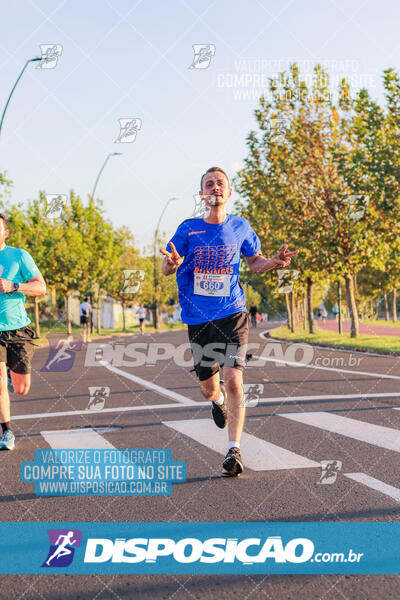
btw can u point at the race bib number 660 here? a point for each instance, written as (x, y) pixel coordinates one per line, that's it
(206, 284)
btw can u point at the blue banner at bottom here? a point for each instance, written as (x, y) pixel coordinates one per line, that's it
(200, 548)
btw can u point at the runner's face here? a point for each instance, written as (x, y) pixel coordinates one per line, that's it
(216, 190)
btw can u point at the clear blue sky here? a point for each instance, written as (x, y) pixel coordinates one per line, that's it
(123, 58)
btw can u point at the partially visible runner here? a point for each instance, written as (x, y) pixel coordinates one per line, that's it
(141, 311)
(206, 251)
(19, 275)
(85, 319)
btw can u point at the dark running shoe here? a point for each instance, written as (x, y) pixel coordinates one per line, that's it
(218, 411)
(232, 465)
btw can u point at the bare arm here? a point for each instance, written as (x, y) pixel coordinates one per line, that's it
(33, 287)
(258, 263)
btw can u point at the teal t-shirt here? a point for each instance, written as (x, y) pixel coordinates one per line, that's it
(16, 265)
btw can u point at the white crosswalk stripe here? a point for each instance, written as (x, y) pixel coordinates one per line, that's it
(384, 437)
(258, 454)
(75, 438)
(375, 484)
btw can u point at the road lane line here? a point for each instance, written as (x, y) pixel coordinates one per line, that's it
(155, 407)
(311, 366)
(377, 435)
(375, 484)
(73, 413)
(149, 384)
(329, 397)
(259, 455)
(75, 438)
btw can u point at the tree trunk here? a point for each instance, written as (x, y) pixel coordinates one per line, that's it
(351, 304)
(293, 311)
(394, 307)
(355, 285)
(304, 312)
(156, 316)
(98, 314)
(289, 316)
(123, 316)
(37, 325)
(69, 327)
(339, 301)
(311, 327)
(385, 299)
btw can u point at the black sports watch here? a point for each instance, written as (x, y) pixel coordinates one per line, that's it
(16, 288)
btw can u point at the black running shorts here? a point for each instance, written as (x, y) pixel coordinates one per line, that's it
(17, 348)
(218, 343)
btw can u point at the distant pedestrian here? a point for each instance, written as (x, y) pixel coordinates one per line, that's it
(141, 311)
(335, 310)
(253, 315)
(85, 319)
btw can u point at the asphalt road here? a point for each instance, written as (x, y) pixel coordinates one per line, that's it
(323, 405)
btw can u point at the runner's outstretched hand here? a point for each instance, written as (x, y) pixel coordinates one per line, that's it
(283, 258)
(173, 258)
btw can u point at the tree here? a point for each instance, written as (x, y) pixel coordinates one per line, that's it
(124, 273)
(155, 286)
(293, 188)
(372, 166)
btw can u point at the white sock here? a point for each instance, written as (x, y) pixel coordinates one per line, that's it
(221, 400)
(233, 445)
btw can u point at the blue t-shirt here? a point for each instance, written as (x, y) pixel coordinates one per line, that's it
(208, 278)
(16, 265)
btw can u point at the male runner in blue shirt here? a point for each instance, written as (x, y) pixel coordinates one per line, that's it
(18, 276)
(206, 251)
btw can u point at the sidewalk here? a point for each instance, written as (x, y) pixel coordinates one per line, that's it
(364, 328)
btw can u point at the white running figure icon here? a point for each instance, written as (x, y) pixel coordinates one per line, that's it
(62, 346)
(62, 550)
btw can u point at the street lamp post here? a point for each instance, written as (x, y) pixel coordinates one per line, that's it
(155, 303)
(15, 85)
(102, 169)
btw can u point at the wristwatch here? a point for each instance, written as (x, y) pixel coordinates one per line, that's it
(16, 288)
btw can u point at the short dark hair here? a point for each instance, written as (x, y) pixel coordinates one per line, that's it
(212, 170)
(86, 298)
(3, 216)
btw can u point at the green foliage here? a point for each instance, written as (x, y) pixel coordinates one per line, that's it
(309, 168)
(156, 286)
(5, 185)
(252, 296)
(80, 250)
